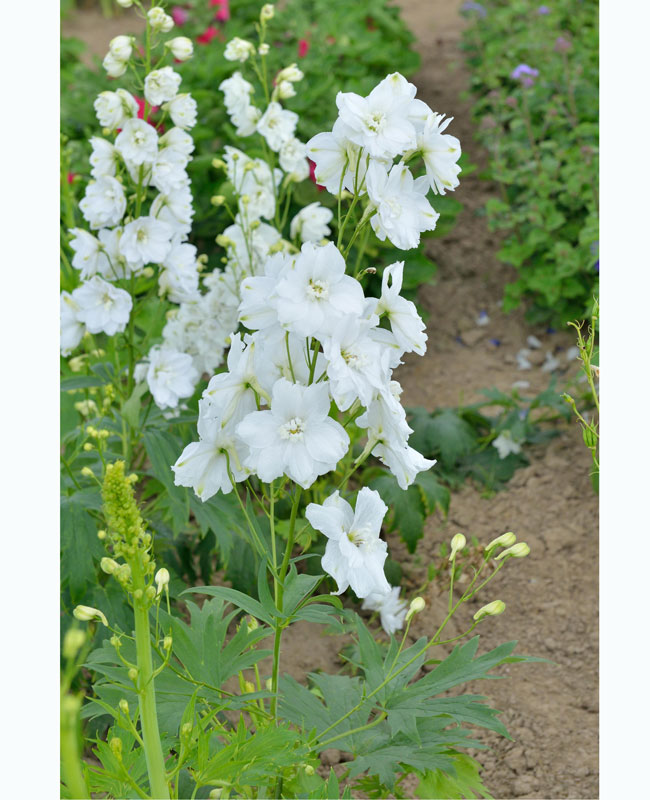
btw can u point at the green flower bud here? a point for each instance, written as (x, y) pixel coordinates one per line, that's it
(124, 706)
(186, 730)
(252, 623)
(217, 163)
(218, 200)
(457, 543)
(73, 642)
(269, 685)
(267, 12)
(249, 687)
(108, 565)
(88, 613)
(115, 641)
(417, 605)
(116, 746)
(505, 540)
(87, 472)
(101, 534)
(133, 674)
(215, 794)
(490, 610)
(309, 770)
(162, 579)
(167, 642)
(151, 593)
(519, 550)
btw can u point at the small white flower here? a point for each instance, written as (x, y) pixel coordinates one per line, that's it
(145, 240)
(168, 170)
(182, 110)
(277, 125)
(180, 278)
(159, 21)
(103, 158)
(137, 142)
(392, 610)
(310, 223)
(175, 209)
(115, 67)
(405, 322)
(296, 437)
(87, 252)
(354, 554)
(505, 444)
(551, 363)
(522, 359)
(440, 153)
(238, 50)
(181, 48)
(170, 376)
(179, 140)
(293, 159)
(237, 92)
(121, 47)
(72, 329)
(104, 202)
(161, 85)
(533, 342)
(284, 90)
(336, 159)
(291, 73)
(114, 108)
(103, 308)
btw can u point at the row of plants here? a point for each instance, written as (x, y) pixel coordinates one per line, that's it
(300, 327)
(534, 78)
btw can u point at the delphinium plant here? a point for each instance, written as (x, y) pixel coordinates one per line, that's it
(196, 707)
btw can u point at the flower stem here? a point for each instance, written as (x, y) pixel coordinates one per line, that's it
(70, 760)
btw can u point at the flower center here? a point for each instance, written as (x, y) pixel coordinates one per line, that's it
(374, 122)
(319, 290)
(139, 137)
(354, 360)
(141, 235)
(359, 536)
(293, 429)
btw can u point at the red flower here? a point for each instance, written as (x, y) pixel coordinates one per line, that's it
(71, 176)
(223, 13)
(303, 48)
(208, 35)
(312, 174)
(179, 15)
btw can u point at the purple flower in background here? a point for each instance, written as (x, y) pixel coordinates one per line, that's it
(470, 6)
(597, 266)
(543, 10)
(524, 74)
(495, 342)
(562, 45)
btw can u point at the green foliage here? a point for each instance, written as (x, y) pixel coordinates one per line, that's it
(465, 783)
(543, 143)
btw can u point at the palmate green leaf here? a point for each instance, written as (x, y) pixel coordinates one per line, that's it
(110, 777)
(80, 548)
(297, 587)
(239, 599)
(444, 433)
(407, 510)
(163, 450)
(464, 783)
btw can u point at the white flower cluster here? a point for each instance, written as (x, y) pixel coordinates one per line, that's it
(358, 155)
(276, 124)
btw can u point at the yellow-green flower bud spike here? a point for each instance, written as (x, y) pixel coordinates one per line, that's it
(88, 613)
(167, 642)
(124, 706)
(120, 508)
(457, 543)
(417, 605)
(109, 565)
(73, 642)
(162, 579)
(505, 540)
(519, 550)
(490, 610)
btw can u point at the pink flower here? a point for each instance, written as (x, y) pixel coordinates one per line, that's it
(71, 176)
(312, 174)
(303, 48)
(223, 13)
(179, 15)
(208, 35)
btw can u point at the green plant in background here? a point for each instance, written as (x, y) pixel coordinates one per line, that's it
(535, 80)
(591, 371)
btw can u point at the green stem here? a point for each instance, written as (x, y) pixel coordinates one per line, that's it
(146, 689)
(70, 760)
(328, 742)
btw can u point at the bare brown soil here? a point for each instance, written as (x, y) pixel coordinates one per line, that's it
(550, 709)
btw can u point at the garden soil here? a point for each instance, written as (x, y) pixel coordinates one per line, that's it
(550, 709)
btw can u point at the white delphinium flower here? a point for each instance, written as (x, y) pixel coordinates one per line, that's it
(392, 610)
(293, 159)
(284, 90)
(195, 328)
(115, 67)
(284, 355)
(338, 161)
(310, 223)
(170, 376)
(182, 110)
(380, 122)
(178, 140)
(505, 444)
(111, 263)
(237, 92)
(181, 48)
(103, 308)
(296, 437)
(180, 277)
(114, 108)
(161, 85)
(291, 73)
(405, 322)
(72, 328)
(277, 125)
(87, 252)
(258, 308)
(121, 47)
(104, 203)
(357, 366)
(247, 252)
(245, 119)
(230, 395)
(238, 50)
(103, 159)
(159, 21)
(145, 240)
(204, 465)
(168, 170)
(317, 293)
(385, 420)
(137, 142)
(354, 554)
(403, 211)
(440, 152)
(175, 209)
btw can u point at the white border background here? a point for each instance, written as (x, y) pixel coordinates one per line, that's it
(29, 319)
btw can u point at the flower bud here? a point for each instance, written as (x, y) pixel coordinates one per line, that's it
(151, 593)
(124, 3)
(124, 706)
(162, 579)
(519, 550)
(133, 674)
(114, 67)
(217, 163)
(269, 685)
(186, 730)
(290, 73)
(121, 47)
(76, 363)
(309, 770)
(148, 272)
(108, 565)
(181, 48)
(73, 642)
(285, 90)
(88, 613)
(167, 642)
(215, 794)
(101, 534)
(159, 21)
(249, 687)
(267, 12)
(218, 200)
(89, 446)
(457, 543)
(263, 49)
(417, 605)
(116, 747)
(505, 540)
(238, 50)
(252, 623)
(490, 610)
